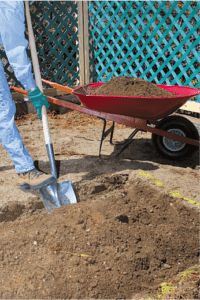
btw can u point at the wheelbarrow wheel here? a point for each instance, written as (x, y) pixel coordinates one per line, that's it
(174, 149)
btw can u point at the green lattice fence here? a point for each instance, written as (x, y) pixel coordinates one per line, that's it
(56, 30)
(154, 40)
(8, 69)
(55, 25)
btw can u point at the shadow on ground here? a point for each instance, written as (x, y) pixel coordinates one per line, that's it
(94, 166)
(140, 154)
(143, 150)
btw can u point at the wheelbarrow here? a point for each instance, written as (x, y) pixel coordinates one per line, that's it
(174, 136)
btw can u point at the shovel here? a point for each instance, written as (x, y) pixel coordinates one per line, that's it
(56, 194)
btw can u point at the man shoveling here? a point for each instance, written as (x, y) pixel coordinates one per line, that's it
(12, 37)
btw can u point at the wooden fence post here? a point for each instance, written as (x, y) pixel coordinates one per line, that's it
(83, 41)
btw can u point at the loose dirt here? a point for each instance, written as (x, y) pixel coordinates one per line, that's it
(124, 239)
(129, 86)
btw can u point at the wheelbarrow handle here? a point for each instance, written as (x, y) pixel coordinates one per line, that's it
(18, 90)
(59, 87)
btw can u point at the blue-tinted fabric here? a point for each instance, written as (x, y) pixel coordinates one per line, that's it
(12, 37)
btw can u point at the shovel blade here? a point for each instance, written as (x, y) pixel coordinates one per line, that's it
(57, 195)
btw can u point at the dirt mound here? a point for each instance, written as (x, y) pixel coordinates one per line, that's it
(112, 246)
(128, 86)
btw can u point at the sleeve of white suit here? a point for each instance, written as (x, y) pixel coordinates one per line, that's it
(12, 30)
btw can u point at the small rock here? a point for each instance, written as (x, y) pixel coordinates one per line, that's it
(98, 189)
(122, 219)
(166, 266)
(80, 221)
(91, 261)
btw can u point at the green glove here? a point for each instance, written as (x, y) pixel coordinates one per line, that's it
(38, 99)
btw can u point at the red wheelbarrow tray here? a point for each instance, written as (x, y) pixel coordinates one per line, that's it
(136, 112)
(149, 108)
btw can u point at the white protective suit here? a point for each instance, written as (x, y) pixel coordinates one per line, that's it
(12, 38)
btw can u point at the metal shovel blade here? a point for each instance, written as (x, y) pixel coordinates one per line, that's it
(57, 195)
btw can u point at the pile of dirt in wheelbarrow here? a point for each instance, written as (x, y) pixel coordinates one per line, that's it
(123, 238)
(129, 86)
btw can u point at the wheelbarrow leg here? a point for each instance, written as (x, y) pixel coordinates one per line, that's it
(128, 141)
(105, 133)
(110, 131)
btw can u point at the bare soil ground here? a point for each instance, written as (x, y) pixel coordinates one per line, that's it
(134, 234)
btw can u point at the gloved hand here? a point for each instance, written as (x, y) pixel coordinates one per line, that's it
(38, 99)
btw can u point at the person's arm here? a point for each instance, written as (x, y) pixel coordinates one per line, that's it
(12, 30)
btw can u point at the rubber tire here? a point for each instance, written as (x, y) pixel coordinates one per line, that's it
(181, 123)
